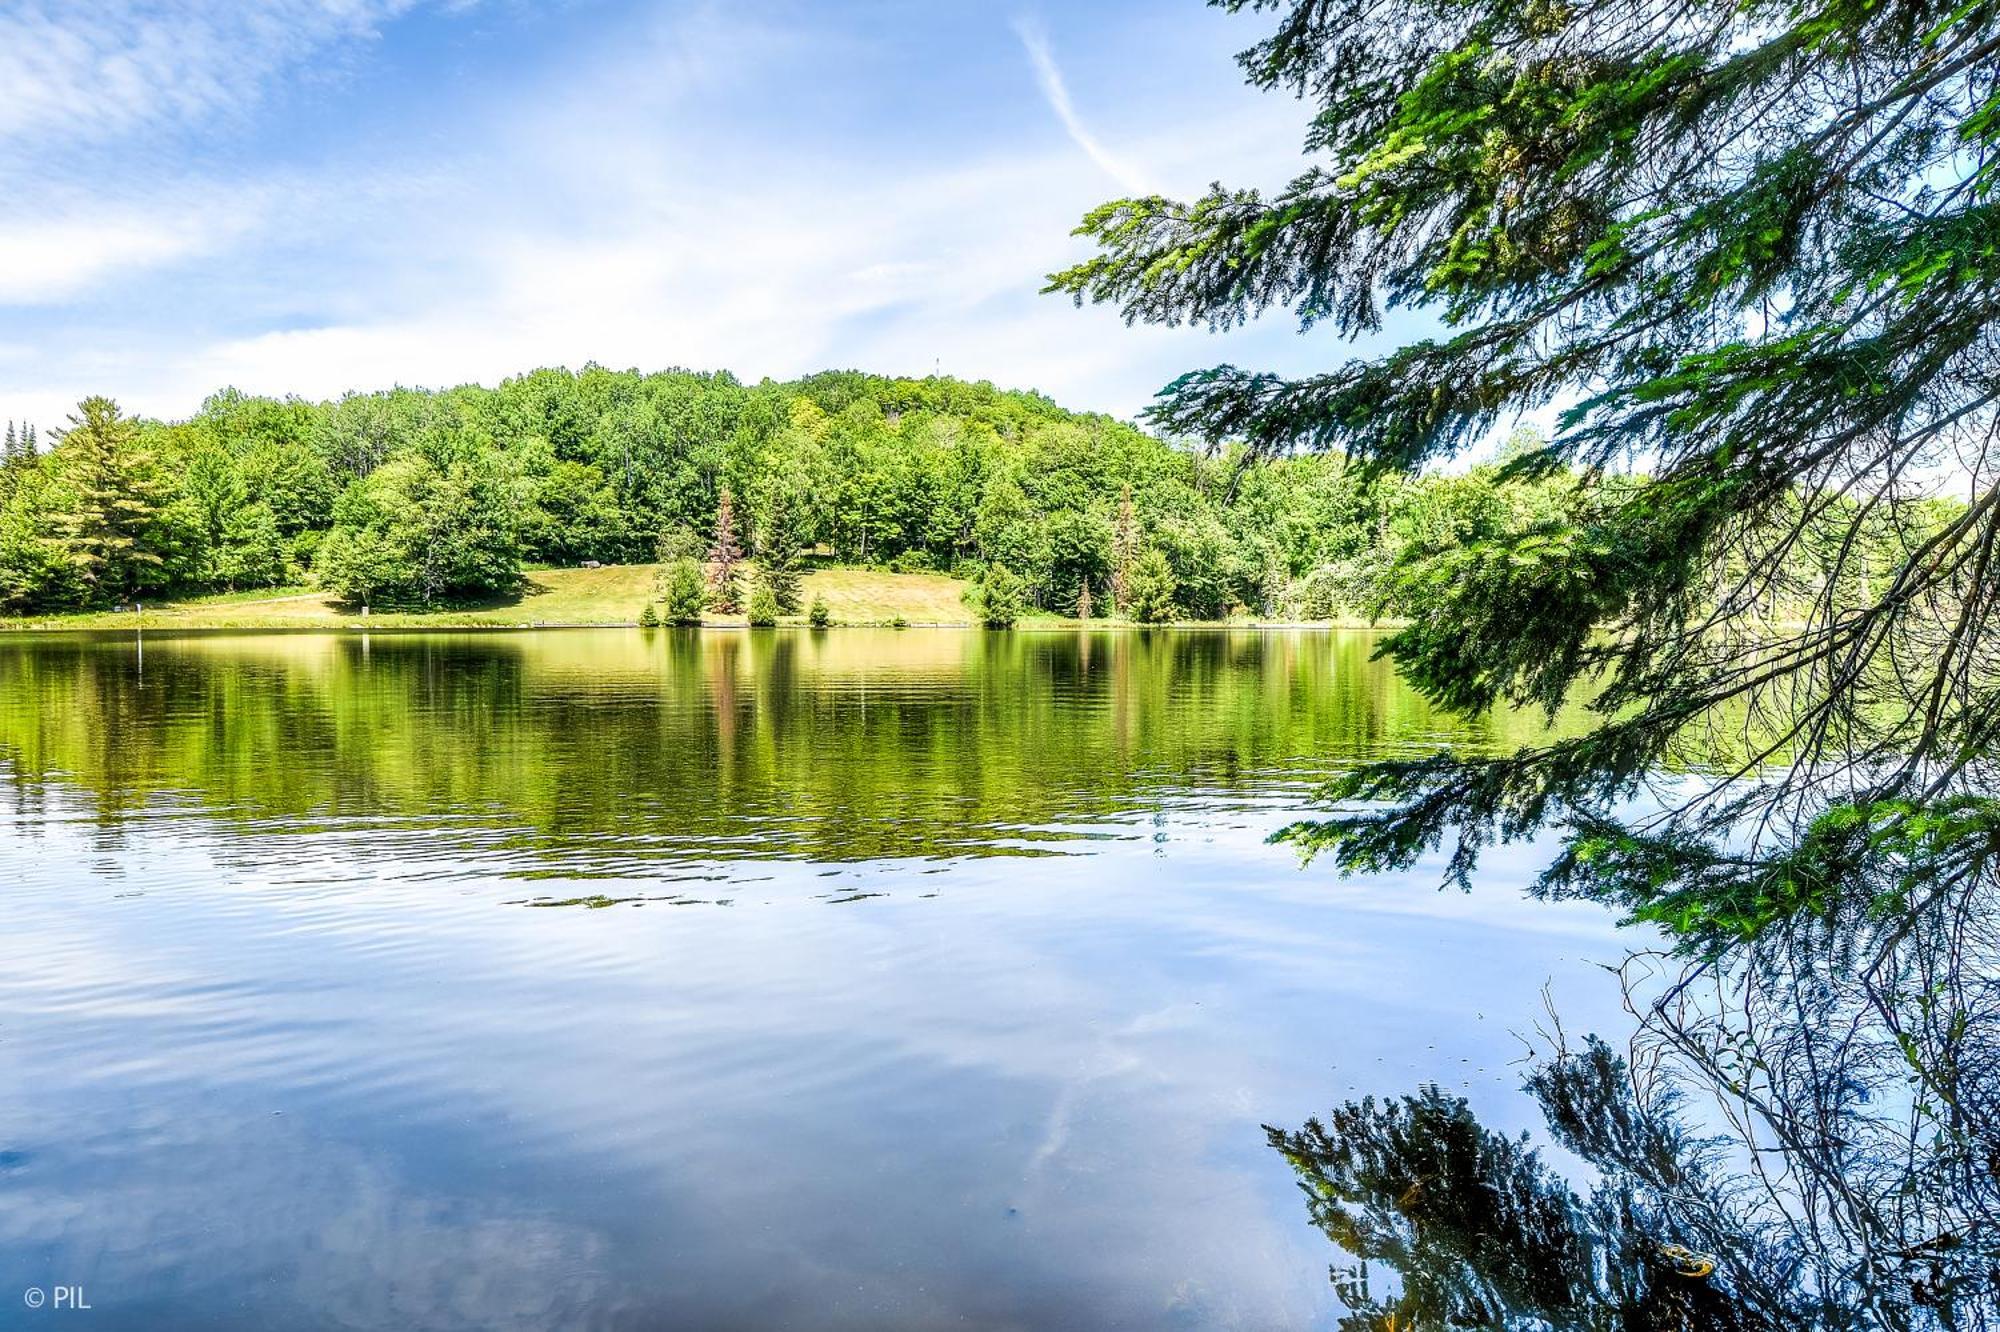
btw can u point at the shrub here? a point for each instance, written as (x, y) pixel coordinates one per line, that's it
(820, 617)
(649, 618)
(763, 606)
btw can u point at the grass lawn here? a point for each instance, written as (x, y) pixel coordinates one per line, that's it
(611, 595)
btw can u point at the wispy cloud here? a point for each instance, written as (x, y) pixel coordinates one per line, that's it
(91, 70)
(635, 194)
(46, 259)
(1036, 42)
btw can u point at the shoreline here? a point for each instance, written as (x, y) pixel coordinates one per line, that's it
(607, 597)
(443, 622)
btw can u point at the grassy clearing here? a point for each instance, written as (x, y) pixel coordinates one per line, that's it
(607, 596)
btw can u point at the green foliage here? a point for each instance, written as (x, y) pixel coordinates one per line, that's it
(423, 533)
(109, 529)
(1754, 248)
(1150, 589)
(1001, 599)
(684, 591)
(778, 553)
(763, 608)
(649, 617)
(725, 556)
(920, 475)
(819, 616)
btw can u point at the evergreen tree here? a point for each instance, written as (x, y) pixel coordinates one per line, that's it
(725, 592)
(1152, 589)
(1002, 601)
(683, 591)
(1669, 216)
(1125, 545)
(763, 610)
(778, 554)
(11, 464)
(114, 499)
(1752, 246)
(820, 616)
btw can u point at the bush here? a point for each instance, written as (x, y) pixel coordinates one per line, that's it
(820, 617)
(649, 618)
(685, 591)
(1002, 597)
(913, 561)
(899, 623)
(763, 606)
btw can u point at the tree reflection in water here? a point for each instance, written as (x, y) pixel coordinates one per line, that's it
(1802, 1136)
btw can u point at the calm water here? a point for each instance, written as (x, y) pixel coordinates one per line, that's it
(598, 979)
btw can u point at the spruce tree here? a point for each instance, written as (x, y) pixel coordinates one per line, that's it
(778, 554)
(683, 592)
(725, 591)
(1749, 246)
(1003, 598)
(1125, 546)
(1153, 590)
(1748, 253)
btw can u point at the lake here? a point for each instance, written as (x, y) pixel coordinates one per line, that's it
(853, 979)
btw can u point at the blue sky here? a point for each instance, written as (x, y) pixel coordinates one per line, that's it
(313, 196)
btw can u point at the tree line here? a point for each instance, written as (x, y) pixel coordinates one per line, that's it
(415, 498)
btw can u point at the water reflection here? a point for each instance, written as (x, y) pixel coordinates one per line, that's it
(286, 1043)
(614, 753)
(1763, 1171)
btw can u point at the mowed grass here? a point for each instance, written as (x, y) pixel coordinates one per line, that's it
(611, 595)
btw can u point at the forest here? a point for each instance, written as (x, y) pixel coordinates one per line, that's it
(420, 499)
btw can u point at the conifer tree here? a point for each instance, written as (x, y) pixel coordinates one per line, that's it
(1124, 553)
(683, 592)
(778, 554)
(1749, 251)
(115, 497)
(1153, 589)
(1753, 246)
(725, 591)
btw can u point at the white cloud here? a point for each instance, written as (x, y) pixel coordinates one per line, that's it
(97, 69)
(1056, 90)
(47, 259)
(589, 214)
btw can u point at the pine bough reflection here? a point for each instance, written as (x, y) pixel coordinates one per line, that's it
(1803, 1136)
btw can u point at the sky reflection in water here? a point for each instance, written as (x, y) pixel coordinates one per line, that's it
(946, 976)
